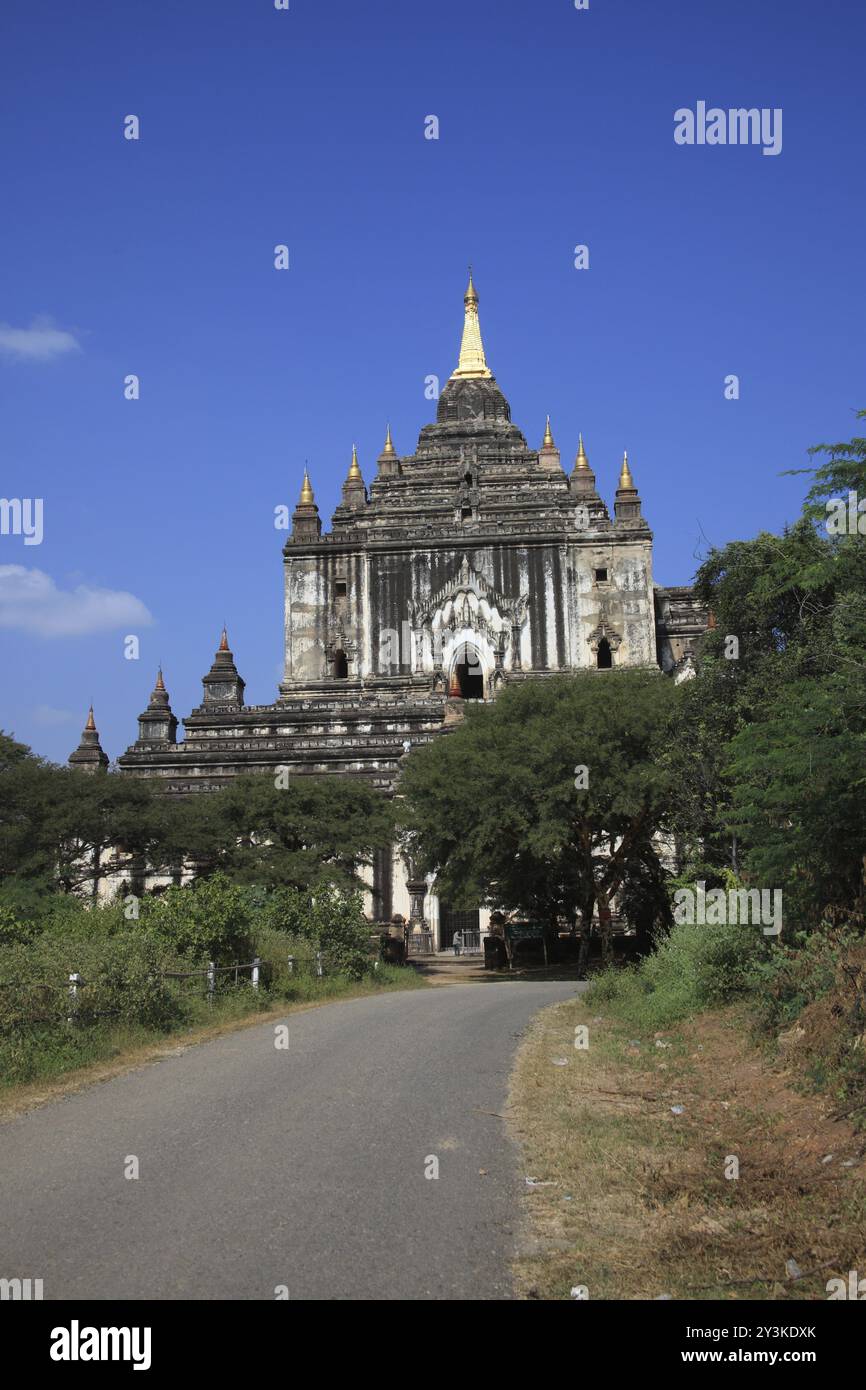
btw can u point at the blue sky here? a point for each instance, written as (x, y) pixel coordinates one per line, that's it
(306, 127)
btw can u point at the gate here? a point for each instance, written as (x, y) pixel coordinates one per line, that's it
(458, 919)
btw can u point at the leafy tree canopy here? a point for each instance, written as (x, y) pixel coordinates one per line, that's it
(548, 800)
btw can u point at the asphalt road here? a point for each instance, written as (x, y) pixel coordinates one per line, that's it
(305, 1168)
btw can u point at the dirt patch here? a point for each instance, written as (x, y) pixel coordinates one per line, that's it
(456, 970)
(682, 1164)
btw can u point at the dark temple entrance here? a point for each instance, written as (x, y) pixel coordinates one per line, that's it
(471, 681)
(452, 919)
(467, 677)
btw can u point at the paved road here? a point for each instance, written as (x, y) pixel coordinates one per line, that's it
(305, 1168)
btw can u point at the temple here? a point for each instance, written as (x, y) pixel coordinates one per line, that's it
(473, 562)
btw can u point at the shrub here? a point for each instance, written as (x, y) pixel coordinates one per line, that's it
(798, 975)
(330, 920)
(342, 930)
(125, 982)
(693, 968)
(12, 930)
(291, 911)
(121, 980)
(211, 920)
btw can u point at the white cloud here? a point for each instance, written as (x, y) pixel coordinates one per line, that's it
(32, 602)
(41, 342)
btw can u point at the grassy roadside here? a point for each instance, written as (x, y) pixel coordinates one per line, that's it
(66, 1060)
(637, 1203)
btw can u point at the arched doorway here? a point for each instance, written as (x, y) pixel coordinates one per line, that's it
(467, 676)
(605, 655)
(341, 666)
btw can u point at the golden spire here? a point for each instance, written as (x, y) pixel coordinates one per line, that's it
(389, 444)
(626, 481)
(90, 726)
(307, 498)
(472, 361)
(548, 436)
(581, 461)
(160, 683)
(224, 641)
(354, 470)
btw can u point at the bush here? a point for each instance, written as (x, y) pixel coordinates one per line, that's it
(211, 920)
(121, 980)
(821, 989)
(343, 931)
(330, 920)
(125, 982)
(693, 968)
(799, 975)
(12, 931)
(290, 910)
(26, 899)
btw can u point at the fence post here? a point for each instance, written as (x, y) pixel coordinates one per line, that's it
(256, 967)
(211, 981)
(74, 981)
(291, 965)
(319, 970)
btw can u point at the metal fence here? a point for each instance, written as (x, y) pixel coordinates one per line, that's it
(471, 943)
(210, 974)
(76, 985)
(72, 1005)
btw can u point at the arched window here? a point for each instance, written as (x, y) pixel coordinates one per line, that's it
(341, 666)
(605, 655)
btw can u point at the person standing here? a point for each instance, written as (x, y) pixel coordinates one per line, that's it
(457, 942)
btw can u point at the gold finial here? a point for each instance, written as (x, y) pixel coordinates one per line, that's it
(548, 436)
(354, 470)
(307, 498)
(626, 481)
(389, 444)
(581, 461)
(472, 362)
(90, 726)
(160, 683)
(224, 641)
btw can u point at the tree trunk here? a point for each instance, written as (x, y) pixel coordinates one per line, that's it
(586, 911)
(604, 922)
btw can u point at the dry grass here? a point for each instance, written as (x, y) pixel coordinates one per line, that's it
(639, 1205)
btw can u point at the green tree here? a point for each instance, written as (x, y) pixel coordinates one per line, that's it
(26, 810)
(67, 830)
(781, 729)
(313, 830)
(496, 808)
